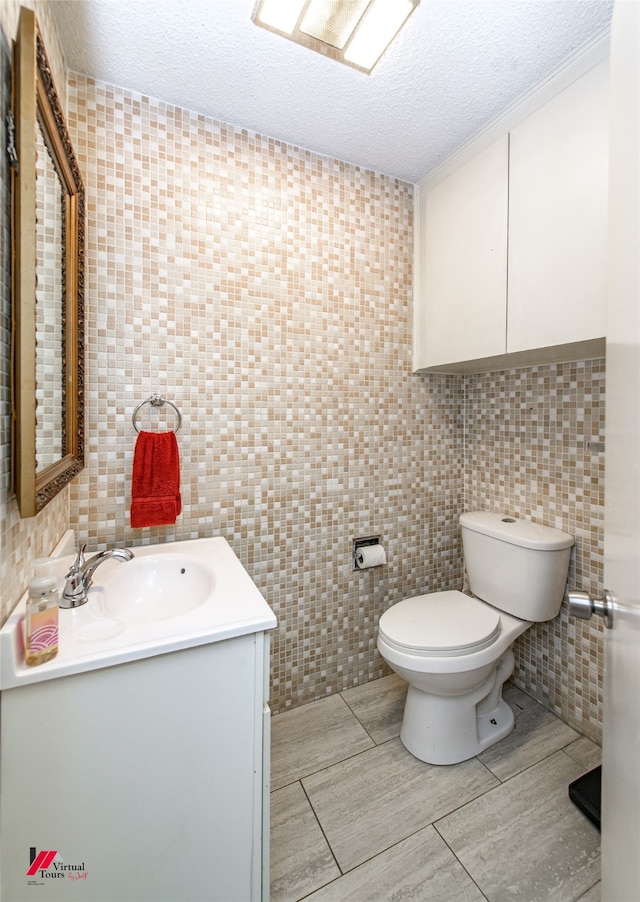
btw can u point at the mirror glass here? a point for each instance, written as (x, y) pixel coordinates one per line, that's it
(48, 209)
(49, 307)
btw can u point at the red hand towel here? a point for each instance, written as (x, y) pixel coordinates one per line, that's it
(155, 480)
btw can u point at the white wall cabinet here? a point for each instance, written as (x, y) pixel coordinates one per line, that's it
(511, 246)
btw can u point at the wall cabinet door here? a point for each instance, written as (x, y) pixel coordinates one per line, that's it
(558, 195)
(463, 263)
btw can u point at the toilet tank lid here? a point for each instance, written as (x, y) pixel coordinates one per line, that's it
(516, 531)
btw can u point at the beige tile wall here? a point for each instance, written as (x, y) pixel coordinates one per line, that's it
(526, 434)
(21, 541)
(267, 292)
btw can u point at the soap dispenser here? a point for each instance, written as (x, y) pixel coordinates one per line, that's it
(41, 634)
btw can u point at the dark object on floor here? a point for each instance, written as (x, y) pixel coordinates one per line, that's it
(585, 794)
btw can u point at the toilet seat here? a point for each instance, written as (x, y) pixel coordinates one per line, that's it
(440, 624)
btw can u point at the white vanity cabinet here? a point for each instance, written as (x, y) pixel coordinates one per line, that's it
(149, 778)
(511, 246)
(134, 766)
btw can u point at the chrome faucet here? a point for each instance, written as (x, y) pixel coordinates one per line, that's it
(80, 576)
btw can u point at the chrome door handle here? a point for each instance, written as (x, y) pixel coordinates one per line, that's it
(584, 605)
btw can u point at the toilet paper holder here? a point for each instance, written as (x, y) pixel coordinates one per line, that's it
(361, 543)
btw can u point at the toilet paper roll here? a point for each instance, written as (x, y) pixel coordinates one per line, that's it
(370, 556)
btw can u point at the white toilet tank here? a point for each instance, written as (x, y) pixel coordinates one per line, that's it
(515, 565)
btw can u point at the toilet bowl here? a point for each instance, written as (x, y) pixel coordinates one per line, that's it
(454, 649)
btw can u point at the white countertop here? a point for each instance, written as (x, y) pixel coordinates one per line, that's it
(89, 640)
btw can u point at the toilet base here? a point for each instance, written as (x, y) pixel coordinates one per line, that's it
(495, 726)
(450, 729)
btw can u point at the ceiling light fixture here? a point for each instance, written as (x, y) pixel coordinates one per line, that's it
(354, 32)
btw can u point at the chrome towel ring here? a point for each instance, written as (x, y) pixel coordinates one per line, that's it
(156, 401)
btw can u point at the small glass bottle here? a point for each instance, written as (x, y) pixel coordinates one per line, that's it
(41, 633)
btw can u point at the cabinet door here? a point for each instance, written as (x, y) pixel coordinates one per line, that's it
(149, 773)
(558, 194)
(462, 260)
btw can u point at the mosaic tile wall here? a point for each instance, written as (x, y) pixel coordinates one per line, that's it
(21, 541)
(267, 292)
(526, 434)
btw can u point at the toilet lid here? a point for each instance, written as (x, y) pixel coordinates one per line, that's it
(442, 623)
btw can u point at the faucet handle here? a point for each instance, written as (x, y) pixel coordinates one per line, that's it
(79, 562)
(74, 588)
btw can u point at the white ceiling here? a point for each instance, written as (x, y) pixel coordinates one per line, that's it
(457, 65)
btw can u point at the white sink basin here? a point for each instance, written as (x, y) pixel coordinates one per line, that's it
(171, 597)
(156, 587)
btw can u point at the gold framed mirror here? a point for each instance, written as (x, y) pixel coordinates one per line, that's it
(48, 216)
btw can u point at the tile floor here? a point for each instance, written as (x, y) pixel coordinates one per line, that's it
(356, 818)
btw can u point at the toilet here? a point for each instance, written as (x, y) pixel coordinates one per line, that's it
(454, 650)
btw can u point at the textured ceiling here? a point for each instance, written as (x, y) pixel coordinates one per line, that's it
(457, 65)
